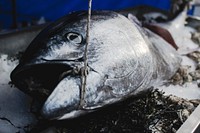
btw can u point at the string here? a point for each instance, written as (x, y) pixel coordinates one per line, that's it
(84, 72)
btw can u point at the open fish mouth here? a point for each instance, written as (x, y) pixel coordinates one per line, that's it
(39, 80)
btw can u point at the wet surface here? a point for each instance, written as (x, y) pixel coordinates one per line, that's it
(15, 115)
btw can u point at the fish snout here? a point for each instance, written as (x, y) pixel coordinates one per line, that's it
(55, 84)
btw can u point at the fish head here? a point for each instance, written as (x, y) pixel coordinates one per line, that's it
(57, 49)
(51, 68)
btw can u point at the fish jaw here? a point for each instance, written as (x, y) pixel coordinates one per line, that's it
(64, 99)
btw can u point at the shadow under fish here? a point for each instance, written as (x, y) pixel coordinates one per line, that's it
(124, 59)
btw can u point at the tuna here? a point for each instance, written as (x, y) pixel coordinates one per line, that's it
(124, 59)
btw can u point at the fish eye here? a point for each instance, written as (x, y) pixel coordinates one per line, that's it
(74, 37)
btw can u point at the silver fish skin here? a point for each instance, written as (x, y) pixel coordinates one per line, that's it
(124, 59)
